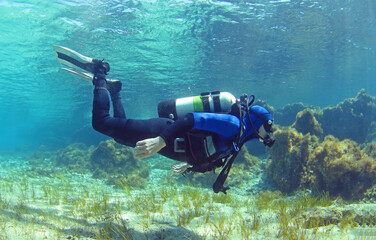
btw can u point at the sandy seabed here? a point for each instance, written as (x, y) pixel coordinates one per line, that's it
(66, 205)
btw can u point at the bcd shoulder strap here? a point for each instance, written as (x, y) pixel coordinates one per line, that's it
(218, 184)
(203, 162)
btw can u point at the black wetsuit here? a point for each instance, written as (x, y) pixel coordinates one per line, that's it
(129, 131)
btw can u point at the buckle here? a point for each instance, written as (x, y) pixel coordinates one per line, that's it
(179, 145)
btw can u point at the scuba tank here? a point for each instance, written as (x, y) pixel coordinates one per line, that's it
(212, 102)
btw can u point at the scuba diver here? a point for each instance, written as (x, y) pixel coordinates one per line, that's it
(206, 136)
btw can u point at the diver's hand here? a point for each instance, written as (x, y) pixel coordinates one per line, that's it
(180, 168)
(149, 147)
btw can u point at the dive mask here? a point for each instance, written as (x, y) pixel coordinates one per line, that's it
(268, 140)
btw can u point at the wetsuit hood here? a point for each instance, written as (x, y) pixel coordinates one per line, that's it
(259, 116)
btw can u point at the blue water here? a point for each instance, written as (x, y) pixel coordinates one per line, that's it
(315, 52)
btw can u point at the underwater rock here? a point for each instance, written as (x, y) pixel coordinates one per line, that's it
(288, 158)
(350, 119)
(370, 194)
(354, 215)
(320, 217)
(40, 163)
(287, 115)
(112, 160)
(39, 157)
(75, 157)
(340, 168)
(371, 137)
(306, 123)
(334, 166)
(370, 150)
(247, 160)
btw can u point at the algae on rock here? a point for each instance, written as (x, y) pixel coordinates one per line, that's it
(340, 168)
(286, 115)
(116, 163)
(288, 158)
(306, 123)
(75, 157)
(350, 119)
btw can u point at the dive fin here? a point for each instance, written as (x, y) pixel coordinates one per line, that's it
(83, 75)
(73, 59)
(79, 64)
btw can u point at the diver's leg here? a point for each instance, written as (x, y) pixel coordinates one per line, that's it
(117, 105)
(102, 121)
(123, 130)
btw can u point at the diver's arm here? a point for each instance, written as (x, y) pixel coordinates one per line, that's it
(225, 125)
(149, 147)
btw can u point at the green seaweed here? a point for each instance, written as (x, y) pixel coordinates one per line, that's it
(346, 222)
(307, 201)
(4, 203)
(264, 199)
(249, 224)
(289, 228)
(222, 198)
(183, 218)
(221, 227)
(245, 228)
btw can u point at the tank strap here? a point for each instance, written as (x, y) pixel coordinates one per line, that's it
(205, 103)
(217, 104)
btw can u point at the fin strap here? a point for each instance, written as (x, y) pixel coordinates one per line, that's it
(100, 88)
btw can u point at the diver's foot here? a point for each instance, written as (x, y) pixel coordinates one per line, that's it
(113, 86)
(99, 66)
(99, 69)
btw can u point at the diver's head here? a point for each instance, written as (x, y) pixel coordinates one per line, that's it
(264, 136)
(260, 122)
